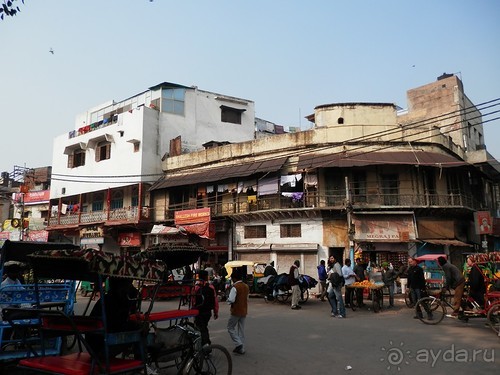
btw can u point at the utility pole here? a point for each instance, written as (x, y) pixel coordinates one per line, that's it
(350, 228)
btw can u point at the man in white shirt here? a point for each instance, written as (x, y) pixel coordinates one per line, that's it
(349, 279)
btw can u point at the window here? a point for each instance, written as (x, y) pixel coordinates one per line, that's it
(77, 159)
(98, 202)
(255, 231)
(290, 230)
(135, 197)
(172, 101)
(103, 151)
(117, 199)
(232, 115)
(390, 189)
(359, 186)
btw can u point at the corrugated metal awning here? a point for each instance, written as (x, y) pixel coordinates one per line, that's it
(219, 173)
(447, 242)
(348, 159)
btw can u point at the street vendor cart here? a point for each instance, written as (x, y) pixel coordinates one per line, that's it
(375, 293)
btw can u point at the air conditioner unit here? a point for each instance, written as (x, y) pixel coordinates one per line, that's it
(155, 240)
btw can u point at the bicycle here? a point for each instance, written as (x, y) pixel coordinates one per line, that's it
(187, 353)
(435, 308)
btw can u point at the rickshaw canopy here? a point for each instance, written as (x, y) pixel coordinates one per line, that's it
(88, 264)
(236, 264)
(175, 255)
(19, 251)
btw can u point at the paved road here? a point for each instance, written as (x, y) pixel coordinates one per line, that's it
(309, 341)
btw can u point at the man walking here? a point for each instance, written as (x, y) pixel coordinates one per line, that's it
(238, 299)
(322, 280)
(205, 300)
(293, 281)
(335, 289)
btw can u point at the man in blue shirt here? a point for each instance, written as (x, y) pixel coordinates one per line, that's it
(322, 280)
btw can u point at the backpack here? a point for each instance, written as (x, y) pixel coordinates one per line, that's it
(336, 280)
(205, 298)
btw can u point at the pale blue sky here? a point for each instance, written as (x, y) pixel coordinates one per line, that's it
(286, 56)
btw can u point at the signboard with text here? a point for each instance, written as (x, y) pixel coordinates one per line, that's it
(201, 215)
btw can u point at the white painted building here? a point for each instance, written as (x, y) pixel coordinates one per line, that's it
(102, 169)
(130, 137)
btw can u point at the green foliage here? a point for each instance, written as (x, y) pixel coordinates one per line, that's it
(9, 8)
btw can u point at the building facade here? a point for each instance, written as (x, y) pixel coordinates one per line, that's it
(366, 180)
(103, 168)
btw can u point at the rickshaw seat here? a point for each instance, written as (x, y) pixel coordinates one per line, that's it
(165, 315)
(76, 364)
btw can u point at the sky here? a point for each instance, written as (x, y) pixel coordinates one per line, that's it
(287, 56)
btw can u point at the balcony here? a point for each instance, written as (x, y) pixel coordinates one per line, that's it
(130, 215)
(279, 206)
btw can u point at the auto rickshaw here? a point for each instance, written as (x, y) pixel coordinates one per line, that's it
(252, 272)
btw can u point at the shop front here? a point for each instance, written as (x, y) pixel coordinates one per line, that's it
(384, 237)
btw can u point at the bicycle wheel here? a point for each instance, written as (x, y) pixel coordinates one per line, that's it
(212, 360)
(304, 295)
(494, 318)
(430, 310)
(409, 300)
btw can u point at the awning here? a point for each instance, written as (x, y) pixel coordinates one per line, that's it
(69, 150)
(209, 174)
(352, 159)
(295, 247)
(92, 143)
(252, 248)
(447, 242)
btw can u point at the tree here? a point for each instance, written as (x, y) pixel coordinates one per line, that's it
(9, 8)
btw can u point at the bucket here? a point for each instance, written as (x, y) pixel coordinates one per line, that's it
(403, 282)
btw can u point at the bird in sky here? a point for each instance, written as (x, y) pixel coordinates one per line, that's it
(51, 51)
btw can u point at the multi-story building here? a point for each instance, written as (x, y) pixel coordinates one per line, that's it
(366, 179)
(103, 168)
(25, 204)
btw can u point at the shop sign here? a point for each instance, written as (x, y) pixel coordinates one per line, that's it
(201, 215)
(384, 228)
(92, 241)
(129, 239)
(33, 197)
(91, 234)
(482, 221)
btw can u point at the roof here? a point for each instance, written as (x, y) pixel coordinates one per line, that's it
(416, 157)
(168, 85)
(211, 174)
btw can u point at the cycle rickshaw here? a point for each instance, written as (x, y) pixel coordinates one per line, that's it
(95, 266)
(433, 309)
(49, 293)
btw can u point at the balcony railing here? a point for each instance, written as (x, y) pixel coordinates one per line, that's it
(122, 215)
(332, 201)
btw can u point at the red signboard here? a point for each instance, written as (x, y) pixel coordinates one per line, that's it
(483, 222)
(129, 239)
(34, 196)
(201, 215)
